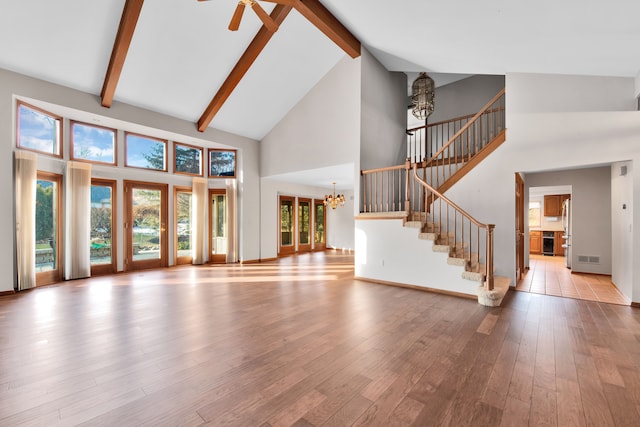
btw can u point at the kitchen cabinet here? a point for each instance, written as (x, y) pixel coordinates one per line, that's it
(558, 241)
(553, 204)
(535, 242)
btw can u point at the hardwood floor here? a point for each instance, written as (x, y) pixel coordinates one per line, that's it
(548, 275)
(300, 342)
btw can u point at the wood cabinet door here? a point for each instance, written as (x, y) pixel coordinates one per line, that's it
(535, 242)
(552, 205)
(558, 250)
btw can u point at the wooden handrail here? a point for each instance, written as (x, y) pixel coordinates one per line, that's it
(449, 202)
(385, 169)
(468, 124)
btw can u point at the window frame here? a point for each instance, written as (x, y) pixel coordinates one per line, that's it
(175, 157)
(72, 123)
(210, 151)
(60, 119)
(126, 151)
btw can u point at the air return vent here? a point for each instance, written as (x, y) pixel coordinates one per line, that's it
(588, 259)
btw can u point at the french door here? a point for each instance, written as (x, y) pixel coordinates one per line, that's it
(145, 225)
(287, 225)
(48, 232)
(304, 225)
(218, 227)
(182, 208)
(103, 240)
(319, 225)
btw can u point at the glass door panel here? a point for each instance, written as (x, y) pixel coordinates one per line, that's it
(304, 225)
(102, 250)
(320, 225)
(48, 214)
(287, 221)
(218, 225)
(146, 225)
(182, 215)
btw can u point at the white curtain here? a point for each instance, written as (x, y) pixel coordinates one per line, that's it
(26, 171)
(78, 221)
(199, 203)
(232, 230)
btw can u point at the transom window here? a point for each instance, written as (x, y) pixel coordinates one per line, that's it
(145, 152)
(93, 143)
(38, 130)
(188, 159)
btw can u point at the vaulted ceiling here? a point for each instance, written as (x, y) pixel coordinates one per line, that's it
(181, 51)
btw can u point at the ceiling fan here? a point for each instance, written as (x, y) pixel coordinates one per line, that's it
(268, 22)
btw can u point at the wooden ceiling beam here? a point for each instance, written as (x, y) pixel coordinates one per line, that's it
(324, 20)
(278, 14)
(128, 23)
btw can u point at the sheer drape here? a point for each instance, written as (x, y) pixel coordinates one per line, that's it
(199, 202)
(232, 231)
(26, 175)
(78, 221)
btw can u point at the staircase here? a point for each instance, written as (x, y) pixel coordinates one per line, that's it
(414, 192)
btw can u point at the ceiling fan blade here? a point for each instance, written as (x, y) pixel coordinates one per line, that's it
(237, 17)
(264, 17)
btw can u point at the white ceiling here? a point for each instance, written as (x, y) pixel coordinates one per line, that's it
(182, 51)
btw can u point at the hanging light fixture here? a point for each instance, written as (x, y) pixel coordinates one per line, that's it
(334, 200)
(423, 92)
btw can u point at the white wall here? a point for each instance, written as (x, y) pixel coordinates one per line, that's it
(590, 213)
(622, 226)
(341, 224)
(384, 108)
(549, 134)
(323, 129)
(69, 102)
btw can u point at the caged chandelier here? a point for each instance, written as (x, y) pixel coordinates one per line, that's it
(334, 200)
(422, 96)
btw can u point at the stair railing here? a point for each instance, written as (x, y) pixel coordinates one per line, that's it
(470, 136)
(468, 238)
(385, 189)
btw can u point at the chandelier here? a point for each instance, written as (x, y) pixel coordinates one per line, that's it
(422, 93)
(334, 200)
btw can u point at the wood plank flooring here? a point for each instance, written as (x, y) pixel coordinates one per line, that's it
(548, 275)
(299, 342)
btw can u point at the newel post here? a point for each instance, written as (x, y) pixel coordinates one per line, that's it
(407, 200)
(489, 260)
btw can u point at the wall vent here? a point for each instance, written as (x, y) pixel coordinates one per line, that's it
(588, 259)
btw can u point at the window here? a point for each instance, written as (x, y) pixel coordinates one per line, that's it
(222, 163)
(218, 225)
(93, 143)
(287, 221)
(38, 130)
(145, 152)
(534, 214)
(188, 159)
(102, 250)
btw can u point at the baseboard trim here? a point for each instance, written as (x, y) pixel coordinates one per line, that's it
(635, 304)
(418, 288)
(5, 293)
